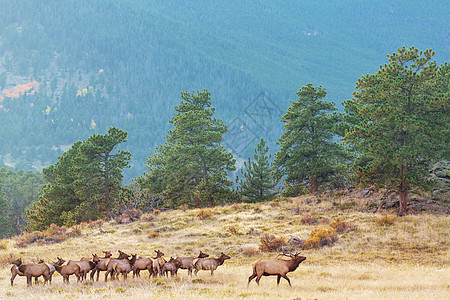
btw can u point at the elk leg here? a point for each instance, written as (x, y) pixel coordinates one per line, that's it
(287, 278)
(28, 280)
(212, 272)
(258, 279)
(251, 278)
(12, 278)
(278, 279)
(36, 280)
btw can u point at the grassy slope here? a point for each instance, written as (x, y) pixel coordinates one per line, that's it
(408, 259)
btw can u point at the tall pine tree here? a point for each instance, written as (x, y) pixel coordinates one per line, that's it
(258, 184)
(398, 121)
(84, 184)
(307, 152)
(191, 167)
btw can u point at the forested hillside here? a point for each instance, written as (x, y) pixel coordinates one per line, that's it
(69, 69)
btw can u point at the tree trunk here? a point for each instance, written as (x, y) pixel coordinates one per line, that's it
(313, 185)
(403, 193)
(107, 211)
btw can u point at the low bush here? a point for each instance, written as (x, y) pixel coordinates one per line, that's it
(385, 220)
(340, 225)
(153, 234)
(271, 243)
(308, 219)
(204, 214)
(250, 251)
(3, 245)
(128, 216)
(233, 229)
(319, 237)
(54, 234)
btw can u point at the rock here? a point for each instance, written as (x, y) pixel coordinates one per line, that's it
(363, 193)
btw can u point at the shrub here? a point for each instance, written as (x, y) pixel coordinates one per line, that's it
(308, 219)
(270, 243)
(6, 260)
(153, 234)
(96, 224)
(183, 207)
(344, 206)
(233, 229)
(340, 225)
(129, 215)
(3, 245)
(250, 251)
(204, 214)
(385, 220)
(320, 237)
(53, 234)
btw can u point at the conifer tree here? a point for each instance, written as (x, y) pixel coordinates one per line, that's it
(398, 121)
(192, 165)
(307, 152)
(258, 183)
(83, 182)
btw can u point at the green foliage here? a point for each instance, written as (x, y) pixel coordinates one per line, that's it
(192, 165)
(258, 183)
(18, 189)
(307, 150)
(84, 184)
(398, 121)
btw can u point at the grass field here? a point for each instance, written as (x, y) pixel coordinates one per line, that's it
(382, 257)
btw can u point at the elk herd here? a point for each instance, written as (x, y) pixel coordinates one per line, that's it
(156, 266)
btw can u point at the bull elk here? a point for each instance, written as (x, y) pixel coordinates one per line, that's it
(210, 263)
(276, 267)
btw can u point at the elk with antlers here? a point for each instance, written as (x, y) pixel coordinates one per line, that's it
(278, 267)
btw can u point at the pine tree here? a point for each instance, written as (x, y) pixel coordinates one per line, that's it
(398, 121)
(258, 184)
(307, 150)
(191, 166)
(84, 184)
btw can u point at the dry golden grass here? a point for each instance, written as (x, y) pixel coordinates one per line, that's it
(406, 259)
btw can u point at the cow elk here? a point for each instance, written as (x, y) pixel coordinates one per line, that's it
(210, 263)
(171, 266)
(187, 263)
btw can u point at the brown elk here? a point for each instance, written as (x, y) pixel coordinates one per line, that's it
(29, 270)
(15, 269)
(86, 264)
(51, 267)
(188, 262)
(276, 267)
(102, 264)
(68, 270)
(210, 263)
(122, 267)
(143, 263)
(109, 263)
(158, 263)
(171, 266)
